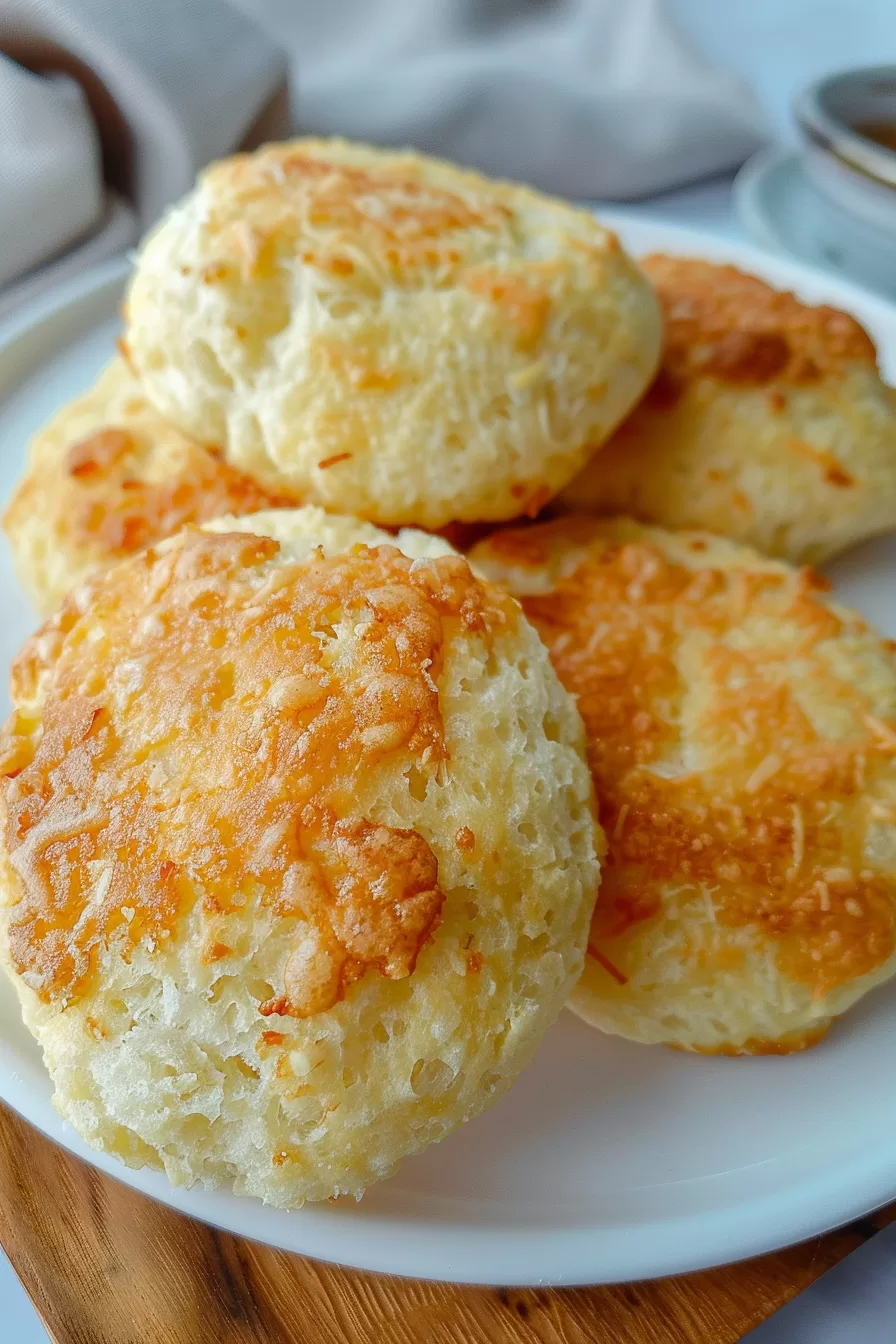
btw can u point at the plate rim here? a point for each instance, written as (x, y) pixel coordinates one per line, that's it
(422, 1246)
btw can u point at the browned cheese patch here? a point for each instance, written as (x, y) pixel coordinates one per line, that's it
(108, 500)
(410, 225)
(201, 732)
(724, 324)
(773, 823)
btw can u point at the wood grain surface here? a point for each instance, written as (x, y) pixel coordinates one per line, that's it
(104, 1265)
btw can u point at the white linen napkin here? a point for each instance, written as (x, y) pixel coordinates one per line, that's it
(850, 1304)
(587, 98)
(151, 91)
(51, 181)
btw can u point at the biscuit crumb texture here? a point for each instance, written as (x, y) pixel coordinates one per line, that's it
(389, 335)
(299, 852)
(742, 736)
(768, 422)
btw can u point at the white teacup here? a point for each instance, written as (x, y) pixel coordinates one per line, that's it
(843, 119)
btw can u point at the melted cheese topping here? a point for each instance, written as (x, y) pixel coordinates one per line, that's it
(194, 729)
(383, 208)
(723, 324)
(709, 772)
(111, 502)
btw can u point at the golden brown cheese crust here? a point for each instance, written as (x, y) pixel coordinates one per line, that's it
(112, 507)
(722, 323)
(114, 830)
(284, 193)
(767, 422)
(773, 818)
(107, 477)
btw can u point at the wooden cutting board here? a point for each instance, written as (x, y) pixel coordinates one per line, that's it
(104, 1265)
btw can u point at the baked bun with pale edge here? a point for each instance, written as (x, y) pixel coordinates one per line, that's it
(741, 732)
(299, 852)
(767, 423)
(390, 335)
(106, 477)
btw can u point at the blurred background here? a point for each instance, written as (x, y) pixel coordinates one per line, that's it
(107, 110)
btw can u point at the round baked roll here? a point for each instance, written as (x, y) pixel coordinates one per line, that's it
(388, 334)
(741, 731)
(299, 852)
(768, 422)
(108, 476)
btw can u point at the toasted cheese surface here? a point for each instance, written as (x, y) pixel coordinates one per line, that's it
(768, 421)
(741, 733)
(108, 476)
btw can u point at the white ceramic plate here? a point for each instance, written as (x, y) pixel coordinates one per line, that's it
(607, 1161)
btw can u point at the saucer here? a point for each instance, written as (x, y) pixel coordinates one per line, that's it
(781, 209)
